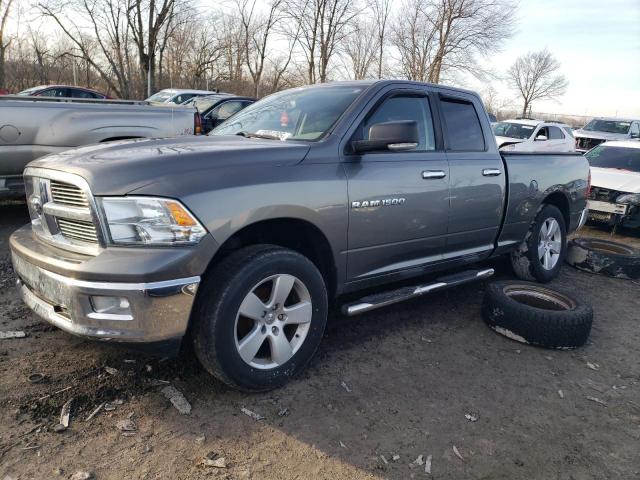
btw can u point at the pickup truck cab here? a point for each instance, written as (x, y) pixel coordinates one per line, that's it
(243, 237)
(533, 136)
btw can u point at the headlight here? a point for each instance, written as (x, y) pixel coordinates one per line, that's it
(150, 221)
(630, 198)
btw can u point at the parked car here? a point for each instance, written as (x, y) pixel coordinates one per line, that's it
(615, 183)
(215, 109)
(533, 136)
(176, 95)
(601, 130)
(302, 197)
(31, 127)
(62, 91)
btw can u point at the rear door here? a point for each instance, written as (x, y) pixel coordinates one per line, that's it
(477, 180)
(556, 140)
(399, 201)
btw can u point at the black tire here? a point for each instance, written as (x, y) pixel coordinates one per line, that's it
(604, 256)
(525, 261)
(537, 315)
(220, 295)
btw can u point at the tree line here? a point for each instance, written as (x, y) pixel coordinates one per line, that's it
(127, 48)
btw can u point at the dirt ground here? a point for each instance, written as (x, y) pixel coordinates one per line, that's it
(384, 388)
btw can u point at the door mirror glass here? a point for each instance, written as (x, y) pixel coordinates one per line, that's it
(395, 136)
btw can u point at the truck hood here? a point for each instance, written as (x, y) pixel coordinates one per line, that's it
(614, 179)
(117, 168)
(599, 135)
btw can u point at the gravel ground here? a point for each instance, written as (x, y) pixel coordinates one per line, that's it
(384, 389)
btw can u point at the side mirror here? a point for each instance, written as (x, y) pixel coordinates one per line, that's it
(540, 138)
(395, 136)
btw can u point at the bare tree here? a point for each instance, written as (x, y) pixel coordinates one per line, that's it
(5, 11)
(258, 29)
(536, 76)
(322, 26)
(381, 10)
(359, 50)
(435, 37)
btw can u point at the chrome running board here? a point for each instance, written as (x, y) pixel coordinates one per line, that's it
(379, 300)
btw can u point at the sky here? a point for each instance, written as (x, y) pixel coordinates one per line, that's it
(598, 45)
(596, 41)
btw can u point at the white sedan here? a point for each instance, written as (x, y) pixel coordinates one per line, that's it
(533, 136)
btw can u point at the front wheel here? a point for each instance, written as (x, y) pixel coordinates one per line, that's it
(259, 317)
(541, 255)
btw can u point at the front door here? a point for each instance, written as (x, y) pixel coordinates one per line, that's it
(398, 201)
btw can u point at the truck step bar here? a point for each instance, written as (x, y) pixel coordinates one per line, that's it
(378, 300)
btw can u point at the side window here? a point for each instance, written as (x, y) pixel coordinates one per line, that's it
(635, 130)
(77, 93)
(555, 133)
(568, 130)
(54, 92)
(404, 107)
(463, 126)
(227, 109)
(542, 134)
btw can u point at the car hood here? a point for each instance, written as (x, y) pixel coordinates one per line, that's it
(117, 168)
(614, 179)
(503, 140)
(599, 135)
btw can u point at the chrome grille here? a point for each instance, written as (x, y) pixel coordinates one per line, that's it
(68, 194)
(62, 210)
(78, 230)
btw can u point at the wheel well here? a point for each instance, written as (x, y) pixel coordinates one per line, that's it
(299, 235)
(112, 139)
(560, 201)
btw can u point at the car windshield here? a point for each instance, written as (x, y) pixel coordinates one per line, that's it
(608, 126)
(161, 96)
(513, 130)
(204, 103)
(621, 158)
(29, 91)
(298, 114)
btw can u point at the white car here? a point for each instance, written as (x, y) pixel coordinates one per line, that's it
(615, 183)
(533, 136)
(177, 96)
(600, 130)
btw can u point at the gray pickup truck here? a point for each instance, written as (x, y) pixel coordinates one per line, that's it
(31, 127)
(240, 240)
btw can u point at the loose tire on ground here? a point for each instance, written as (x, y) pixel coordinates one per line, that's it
(540, 256)
(241, 318)
(534, 314)
(604, 256)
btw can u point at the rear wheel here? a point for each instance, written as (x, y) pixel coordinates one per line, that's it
(541, 255)
(259, 317)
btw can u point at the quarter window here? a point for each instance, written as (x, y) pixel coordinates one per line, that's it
(463, 126)
(404, 107)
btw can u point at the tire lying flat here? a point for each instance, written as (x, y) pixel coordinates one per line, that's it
(604, 256)
(537, 315)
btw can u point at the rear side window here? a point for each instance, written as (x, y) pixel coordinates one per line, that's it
(555, 133)
(463, 126)
(405, 107)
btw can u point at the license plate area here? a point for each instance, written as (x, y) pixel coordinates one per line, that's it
(599, 206)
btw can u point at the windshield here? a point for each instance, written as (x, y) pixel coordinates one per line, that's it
(161, 96)
(513, 130)
(296, 114)
(204, 103)
(29, 91)
(615, 157)
(608, 126)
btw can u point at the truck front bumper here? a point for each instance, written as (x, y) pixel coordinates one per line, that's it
(147, 312)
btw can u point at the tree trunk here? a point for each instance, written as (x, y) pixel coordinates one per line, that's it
(2, 57)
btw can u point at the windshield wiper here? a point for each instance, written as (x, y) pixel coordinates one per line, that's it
(258, 135)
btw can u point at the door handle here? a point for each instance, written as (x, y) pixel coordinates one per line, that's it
(433, 174)
(491, 172)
